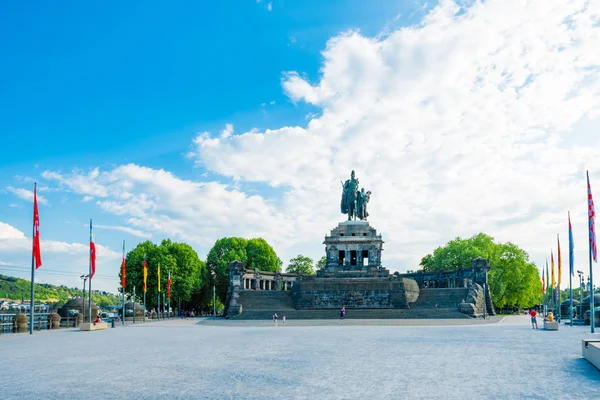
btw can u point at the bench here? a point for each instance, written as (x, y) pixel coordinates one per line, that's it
(590, 349)
(551, 325)
(86, 326)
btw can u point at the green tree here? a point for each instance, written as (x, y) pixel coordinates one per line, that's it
(255, 253)
(513, 279)
(322, 262)
(224, 251)
(260, 255)
(188, 272)
(301, 265)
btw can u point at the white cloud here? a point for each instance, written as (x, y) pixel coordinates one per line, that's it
(126, 229)
(228, 131)
(26, 194)
(78, 182)
(467, 122)
(13, 240)
(270, 6)
(87, 198)
(461, 124)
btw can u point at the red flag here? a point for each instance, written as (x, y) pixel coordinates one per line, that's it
(591, 219)
(92, 252)
(123, 279)
(36, 231)
(169, 286)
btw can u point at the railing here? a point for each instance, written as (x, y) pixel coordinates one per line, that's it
(40, 322)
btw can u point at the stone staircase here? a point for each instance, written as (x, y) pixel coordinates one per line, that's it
(441, 297)
(262, 304)
(259, 300)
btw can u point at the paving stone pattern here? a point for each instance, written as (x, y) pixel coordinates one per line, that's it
(182, 359)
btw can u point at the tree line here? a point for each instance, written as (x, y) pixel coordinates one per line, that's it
(513, 279)
(192, 278)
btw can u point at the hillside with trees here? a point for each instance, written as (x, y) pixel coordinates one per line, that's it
(17, 289)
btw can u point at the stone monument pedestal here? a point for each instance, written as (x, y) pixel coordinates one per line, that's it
(353, 276)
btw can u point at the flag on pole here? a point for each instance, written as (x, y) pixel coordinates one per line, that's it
(169, 286)
(123, 269)
(92, 253)
(591, 218)
(37, 255)
(145, 273)
(547, 276)
(544, 280)
(559, 262)
(571, 249)
(158, 278)
(552, 264)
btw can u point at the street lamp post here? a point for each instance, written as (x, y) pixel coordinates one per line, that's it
(133, 303)
(84, 277)
(580, 273)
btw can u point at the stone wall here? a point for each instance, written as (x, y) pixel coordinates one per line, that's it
(317, 293)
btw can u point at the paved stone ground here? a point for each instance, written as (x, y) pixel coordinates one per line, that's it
(185, 359)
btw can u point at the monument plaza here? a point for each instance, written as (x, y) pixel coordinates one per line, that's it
(502, 358)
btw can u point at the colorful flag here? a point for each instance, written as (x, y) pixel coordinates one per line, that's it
(158, 278)
(92, 253)
(544, 280)
(552, 264)
(37, 255)
(123, 279)
(571, 249)
(169, 286)
(559, 262)
(547, 276)
(145, 273)
(591, 219)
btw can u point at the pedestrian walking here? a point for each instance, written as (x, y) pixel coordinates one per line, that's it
(275, 319)
(284, 320)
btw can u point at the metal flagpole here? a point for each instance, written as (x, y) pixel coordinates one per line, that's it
(122, 286)
(90, 280)
(591, 215)
(169, 298)
(145, 287)
(163, 304)
(158, 306)
(215, 303)
(133, 304)
(571, 270)
(32, 301)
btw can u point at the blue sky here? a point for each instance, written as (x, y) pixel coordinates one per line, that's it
(86, 86)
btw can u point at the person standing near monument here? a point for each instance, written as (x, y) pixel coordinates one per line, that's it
(275, 319)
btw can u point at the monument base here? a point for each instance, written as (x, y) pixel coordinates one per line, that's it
(373, 293)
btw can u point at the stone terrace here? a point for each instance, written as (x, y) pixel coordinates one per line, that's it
(330, 359)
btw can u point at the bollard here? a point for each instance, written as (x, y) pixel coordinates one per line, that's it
(113, 323)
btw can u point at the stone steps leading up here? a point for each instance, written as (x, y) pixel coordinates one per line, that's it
(440, 313)
(266, 300)
(442, 297)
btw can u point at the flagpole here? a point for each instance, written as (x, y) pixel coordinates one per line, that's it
(31, 303)
(590, 256)
(90, 281)
(145, 272)
(570, 270)
(123, 286)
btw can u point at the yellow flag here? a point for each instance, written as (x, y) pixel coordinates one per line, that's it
(145, 273)
(159, 276)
